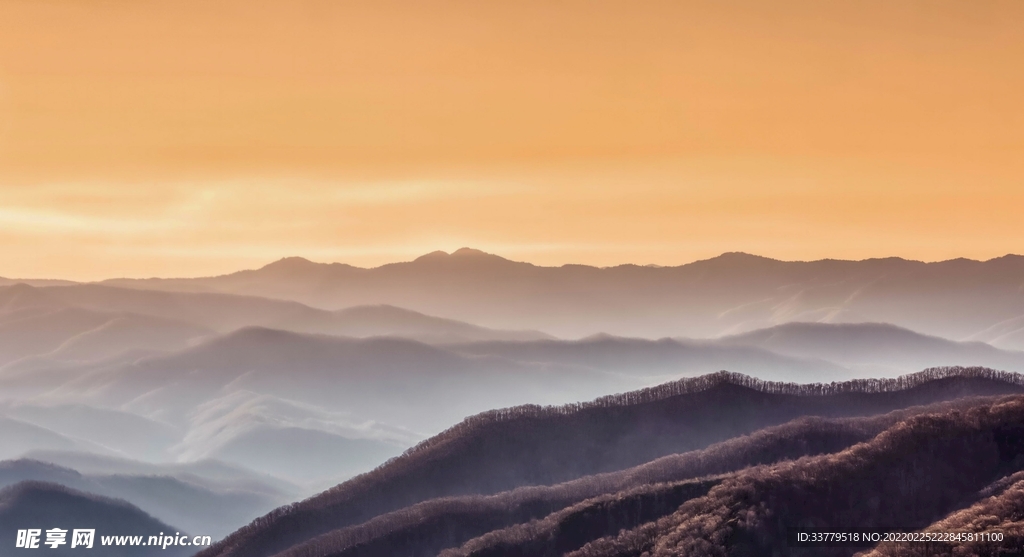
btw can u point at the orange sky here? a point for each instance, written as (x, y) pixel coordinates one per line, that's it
(186, 137)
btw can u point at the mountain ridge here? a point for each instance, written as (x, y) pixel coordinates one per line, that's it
(728, 294)
(503, 449)
(44, 505)
(185, 504)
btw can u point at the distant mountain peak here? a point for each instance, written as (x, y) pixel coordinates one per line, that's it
(21, 288)
(735, 259)
(436, 254)
(741, 256)
(1008, 258)
(21, 296)
(471, 252)
(291, 263)
(255, 333)
(464, 254)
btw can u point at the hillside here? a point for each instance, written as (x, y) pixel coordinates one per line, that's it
(323, 457)
(393, 380)
(105, 430)
(562, 517)
(502, 450)
(88, 322)
(664, 358)
(909, 476)
(313, 408)
(1000, 508)
(223, 312)
(35, 321)
(823, 470)
(43, 505)
(17, 437)
(188, 504)
(797, 352)
(874, 349)
(385, 320)
(212, 474)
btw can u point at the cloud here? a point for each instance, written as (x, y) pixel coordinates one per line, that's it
(36, 221)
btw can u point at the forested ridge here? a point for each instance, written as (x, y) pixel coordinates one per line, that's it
(501, 450)
(449, 519)
(907, 477)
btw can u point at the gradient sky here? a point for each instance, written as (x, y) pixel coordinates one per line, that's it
(193, 137)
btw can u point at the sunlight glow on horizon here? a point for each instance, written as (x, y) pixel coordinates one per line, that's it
(192, 138)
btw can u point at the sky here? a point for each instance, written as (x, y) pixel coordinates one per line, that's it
(197, 137)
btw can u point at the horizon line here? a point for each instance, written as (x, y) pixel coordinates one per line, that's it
(468, 251)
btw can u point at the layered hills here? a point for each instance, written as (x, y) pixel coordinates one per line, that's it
(958, 299)
(237, 393)
(41, 505)
(533, 446)
(188, 502)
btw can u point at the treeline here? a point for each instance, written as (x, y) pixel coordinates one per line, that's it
(691, 385)
(529, 445)
(999, 511)
(549, 520)
(574, 526)
(907, 477)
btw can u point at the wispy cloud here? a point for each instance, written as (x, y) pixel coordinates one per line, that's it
(37, 221)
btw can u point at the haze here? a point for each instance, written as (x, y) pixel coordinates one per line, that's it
(186, 138)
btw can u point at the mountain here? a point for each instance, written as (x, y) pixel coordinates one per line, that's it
(18, 437)
(115, 431)
(33, 321)
(20, 300)
(1005, 334)
(801, 352)
(312, 408)
(126, 332)
(664, 358)
(28, 505)
(999, 508)
(305, 444)
(35, 282)
(187, 504)
(316, 409)
(551, 520)
(304, 455)
(89, 321)
(873, 349)
(958, 299)
(368, 398)
(385, 320)
(390, 379)
(907, 477)
(208, 473)
(502, 450)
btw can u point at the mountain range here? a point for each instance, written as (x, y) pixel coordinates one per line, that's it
(90, 322)
(618, 449)
(204, 403)
(40, 505)
(959, 299)
(315, 408)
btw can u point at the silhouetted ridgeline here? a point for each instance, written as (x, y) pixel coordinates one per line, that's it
(907, 477)
(501, 450)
